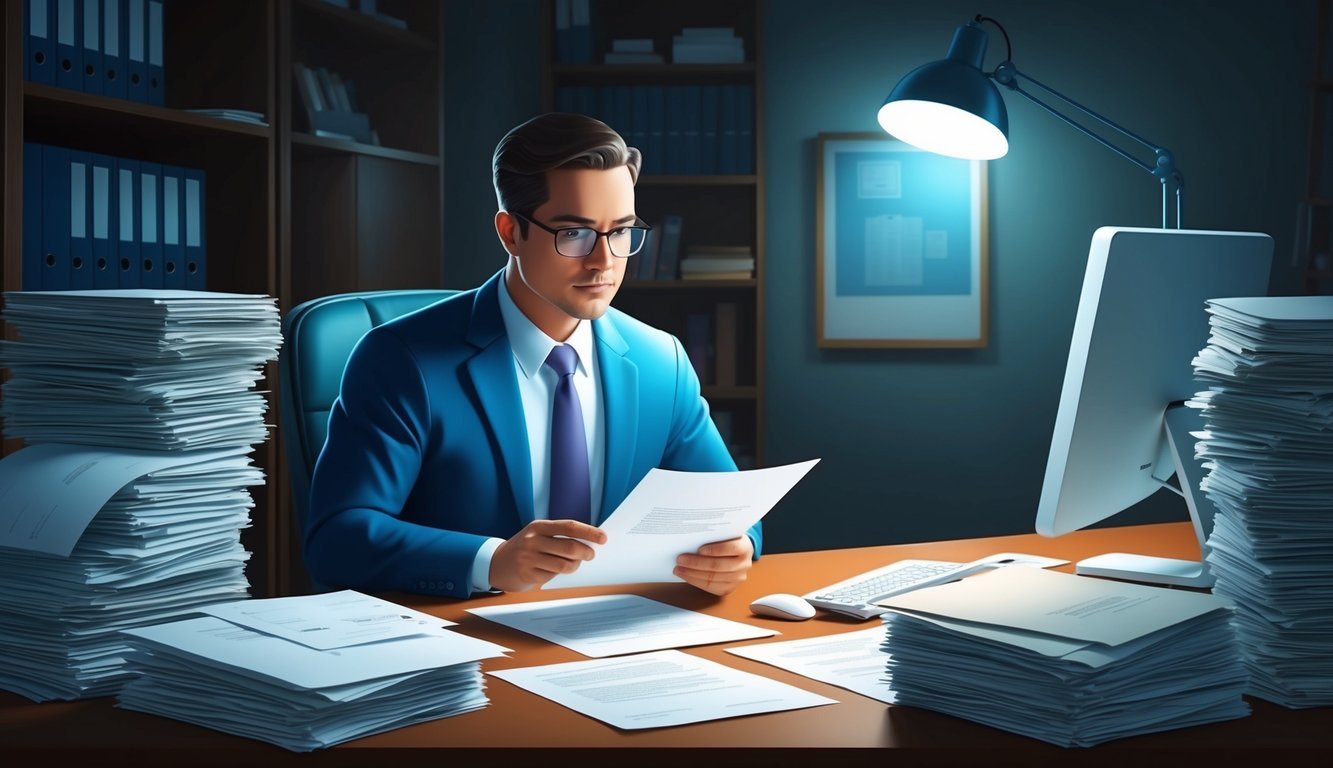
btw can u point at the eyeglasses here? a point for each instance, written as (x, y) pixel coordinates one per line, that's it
(578, 242)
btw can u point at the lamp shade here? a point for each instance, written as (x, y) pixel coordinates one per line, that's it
(950, 106)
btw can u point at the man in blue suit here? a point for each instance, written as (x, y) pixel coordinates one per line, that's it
(441, 473)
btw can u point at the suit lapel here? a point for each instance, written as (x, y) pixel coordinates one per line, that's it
(620, 398)
(492, 374)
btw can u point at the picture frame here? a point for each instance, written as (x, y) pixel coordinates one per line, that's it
(901, 245)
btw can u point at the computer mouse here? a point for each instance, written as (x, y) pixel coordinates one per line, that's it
(783, 606)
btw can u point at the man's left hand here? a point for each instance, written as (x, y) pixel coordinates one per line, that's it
(717, 568)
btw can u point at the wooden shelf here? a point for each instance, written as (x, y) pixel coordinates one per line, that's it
(344, 146)
(46, 104)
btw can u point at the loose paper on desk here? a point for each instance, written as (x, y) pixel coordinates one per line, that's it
(852, 660)
(223, 645)
(670, 513)
(329, 620)
(607, 625)
(49, 492)
(1055, 606)
(651, 690)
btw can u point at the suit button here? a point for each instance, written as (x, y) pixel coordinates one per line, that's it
(421, 585)
(449, 585)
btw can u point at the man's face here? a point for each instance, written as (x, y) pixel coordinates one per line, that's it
(556, 291)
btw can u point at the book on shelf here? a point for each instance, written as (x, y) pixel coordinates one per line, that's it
(668, 251)
(725, 317)
(632, 57)
(644, 264)
(736, 275)
(632, 45)
(707, 45)
(698, 344)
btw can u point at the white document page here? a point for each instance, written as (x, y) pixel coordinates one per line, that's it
(223, 644)
(610, 625)
(1059, 604)
(329, 620)
(670, 513)
(49, 492)
(658, 689)
(852, 660)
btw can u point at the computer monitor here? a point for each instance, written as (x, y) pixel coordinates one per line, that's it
(1122, 429)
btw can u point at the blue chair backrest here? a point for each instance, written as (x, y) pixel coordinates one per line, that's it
(318, 337)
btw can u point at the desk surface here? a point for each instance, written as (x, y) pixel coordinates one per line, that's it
(520, 721)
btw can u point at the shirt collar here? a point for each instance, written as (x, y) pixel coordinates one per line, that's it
(531, 346)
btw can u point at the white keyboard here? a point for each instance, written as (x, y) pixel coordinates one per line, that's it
(856, 596)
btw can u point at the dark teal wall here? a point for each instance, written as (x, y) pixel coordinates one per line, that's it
(941, 444)
(931, 444)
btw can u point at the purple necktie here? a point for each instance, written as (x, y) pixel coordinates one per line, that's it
(570, 492)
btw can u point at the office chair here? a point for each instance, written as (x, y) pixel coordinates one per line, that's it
(318, 337)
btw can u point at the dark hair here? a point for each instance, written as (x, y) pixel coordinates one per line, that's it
(547, 142)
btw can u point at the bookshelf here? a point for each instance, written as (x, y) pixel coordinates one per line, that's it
(700, 128)
(289, 214)
(216, 53)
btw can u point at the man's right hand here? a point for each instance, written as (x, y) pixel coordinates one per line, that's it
(544, 548)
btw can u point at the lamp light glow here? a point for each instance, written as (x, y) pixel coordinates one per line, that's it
(943, 129)
(951, 107)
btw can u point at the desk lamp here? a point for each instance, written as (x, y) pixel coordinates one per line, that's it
(950, 107)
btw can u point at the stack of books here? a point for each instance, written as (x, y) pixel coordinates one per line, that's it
(1075, 662)
(707, 45)
(717, 262)
(306, 673)
(1267, 450)
(637, 50)
(127, 503)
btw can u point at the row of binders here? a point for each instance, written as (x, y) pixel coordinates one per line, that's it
(97, 221)
(107, 47)
(680, 129)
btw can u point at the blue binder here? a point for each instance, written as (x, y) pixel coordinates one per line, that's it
(55, 219)
(80, 231)
(38, 41)
(173, 245)
(673, 160)
(90, 40)
(727, 138)
(709, 105)
(156, 83)
(150, 225)
(32, 216)
(127, 222)
(655, 155)
(691, 136)
(745, 129)
(196, 251)
(105, 272)
(69, 45)
(136, 51)
(113, 48)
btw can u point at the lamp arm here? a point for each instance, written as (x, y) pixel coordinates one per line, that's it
(1164, 168)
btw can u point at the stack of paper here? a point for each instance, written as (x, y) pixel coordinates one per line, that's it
(137, 368)
(306, 672)
(126, 507)
(1268, 451)
(1067, 659)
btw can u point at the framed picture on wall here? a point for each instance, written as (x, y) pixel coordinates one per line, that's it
(900, 244)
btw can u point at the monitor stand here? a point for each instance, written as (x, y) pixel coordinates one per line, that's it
(1179, 421)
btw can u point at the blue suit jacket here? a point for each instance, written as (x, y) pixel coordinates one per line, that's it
(427, 450)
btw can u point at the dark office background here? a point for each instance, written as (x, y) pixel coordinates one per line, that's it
(934, 444)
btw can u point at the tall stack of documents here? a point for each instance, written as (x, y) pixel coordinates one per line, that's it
(1268, 451)
(306, 672)
(126, 506)
(1070, 660)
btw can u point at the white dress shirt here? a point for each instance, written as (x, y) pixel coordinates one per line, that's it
(536, 390)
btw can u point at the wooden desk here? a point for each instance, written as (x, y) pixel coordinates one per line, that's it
(520, 728)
